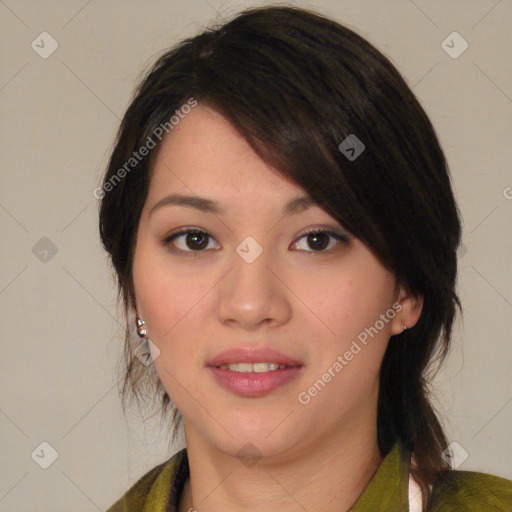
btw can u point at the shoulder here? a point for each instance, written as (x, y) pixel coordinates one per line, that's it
(137, 495)
(471, 491)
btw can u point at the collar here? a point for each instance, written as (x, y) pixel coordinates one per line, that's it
(387, 489)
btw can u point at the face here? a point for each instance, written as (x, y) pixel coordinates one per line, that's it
(250, 279)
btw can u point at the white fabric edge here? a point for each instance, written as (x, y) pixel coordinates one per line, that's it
(415, 496)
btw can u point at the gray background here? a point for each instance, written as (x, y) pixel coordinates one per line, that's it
(61, 333)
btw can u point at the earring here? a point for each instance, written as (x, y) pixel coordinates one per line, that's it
(143, 351)
(141, 327)
(404, 327)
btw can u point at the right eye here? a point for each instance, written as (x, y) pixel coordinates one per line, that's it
(194, 241)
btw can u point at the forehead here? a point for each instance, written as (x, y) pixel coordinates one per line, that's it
(204, 152)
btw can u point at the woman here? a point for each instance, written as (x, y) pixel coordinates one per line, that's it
(280, 218)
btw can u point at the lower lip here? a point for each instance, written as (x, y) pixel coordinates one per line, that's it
(254, 384)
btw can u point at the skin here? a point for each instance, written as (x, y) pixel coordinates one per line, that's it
(307, 304)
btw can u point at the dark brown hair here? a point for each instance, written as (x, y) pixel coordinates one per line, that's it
(295, 84)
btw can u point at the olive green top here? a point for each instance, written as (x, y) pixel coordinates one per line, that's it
(159, 490)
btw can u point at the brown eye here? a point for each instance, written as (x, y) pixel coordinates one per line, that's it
(196, 240)
(188, 241)
(319, 239)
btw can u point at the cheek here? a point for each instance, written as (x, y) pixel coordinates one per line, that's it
(170, 302)
(167, 314)
(349, 306)
(164, 295)
(347, 358)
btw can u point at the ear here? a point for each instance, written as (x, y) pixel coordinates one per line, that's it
(408, 310)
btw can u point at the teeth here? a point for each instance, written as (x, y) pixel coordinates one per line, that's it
(252, 367)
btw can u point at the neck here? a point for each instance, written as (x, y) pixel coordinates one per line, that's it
(329, 476)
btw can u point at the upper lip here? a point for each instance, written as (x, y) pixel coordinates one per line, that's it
(252, 355)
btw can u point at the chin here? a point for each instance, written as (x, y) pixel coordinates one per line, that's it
(255, 443)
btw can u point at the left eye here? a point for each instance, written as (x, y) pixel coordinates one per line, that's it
(320, 239)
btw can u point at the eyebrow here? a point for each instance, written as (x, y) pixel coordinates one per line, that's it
(203, 204)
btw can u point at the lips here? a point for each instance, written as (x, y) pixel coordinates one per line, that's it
(254, 385)
(252, 355)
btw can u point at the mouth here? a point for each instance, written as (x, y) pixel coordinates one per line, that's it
(254, 367)
(250, 372)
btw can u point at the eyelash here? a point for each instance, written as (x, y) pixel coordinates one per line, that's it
(316, 231)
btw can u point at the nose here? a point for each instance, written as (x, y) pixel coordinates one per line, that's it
(253, 294)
